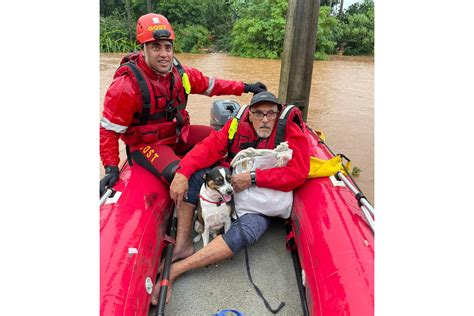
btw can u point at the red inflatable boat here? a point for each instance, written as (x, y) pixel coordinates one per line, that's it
(334, 241)
(330, 236)
(133, 224)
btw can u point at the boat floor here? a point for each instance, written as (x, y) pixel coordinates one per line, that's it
(208, 290)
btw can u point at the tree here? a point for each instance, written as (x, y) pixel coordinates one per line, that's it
(260, 30)
(250, 28)
(107, 7)
(189, 12)
(333, 4)
(341, 9)
(220, 19)
(114, 35)
(326, 39)
(129, 19)
(360, 7)
(358, 29)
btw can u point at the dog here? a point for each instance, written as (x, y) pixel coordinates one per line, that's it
(214, 208)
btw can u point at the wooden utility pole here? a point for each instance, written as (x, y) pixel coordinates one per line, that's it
(148, 6)
(298, 53)
(129, 19)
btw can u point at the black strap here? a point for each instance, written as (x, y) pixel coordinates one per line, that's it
(281, 125)
(160, 114)
(166, 174)
(170, 170)
(259, 292)
(170, 112)
(129, 156)
(146, 100)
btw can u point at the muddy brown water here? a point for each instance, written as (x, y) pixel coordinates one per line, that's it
(341, 101)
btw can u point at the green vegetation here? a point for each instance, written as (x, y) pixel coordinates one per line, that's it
(193, 38)
(114, 35)
(356, 171)
(260, 30)
(249, 28)
(358, 29)
(327, 36)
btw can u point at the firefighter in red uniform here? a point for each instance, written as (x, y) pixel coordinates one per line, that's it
(257, 128)
(145, 104)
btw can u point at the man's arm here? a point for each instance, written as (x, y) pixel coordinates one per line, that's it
(293, 175)
(241, 181)
(120, 103)
(210, 86)
(178, 188)
(210, 150)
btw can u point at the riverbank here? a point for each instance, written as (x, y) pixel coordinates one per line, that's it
(361, 58)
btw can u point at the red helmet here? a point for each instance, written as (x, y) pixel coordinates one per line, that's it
(152, 26)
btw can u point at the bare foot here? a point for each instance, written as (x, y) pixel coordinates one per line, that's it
(168, 295)
(156, 292)
(183, 253)
(177, 255)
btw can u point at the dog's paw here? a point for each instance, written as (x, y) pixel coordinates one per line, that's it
(197, 238)
(198, 227)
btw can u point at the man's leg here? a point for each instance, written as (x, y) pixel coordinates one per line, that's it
(222, 247)
(184, 245)
(216, 251)
(194, 135)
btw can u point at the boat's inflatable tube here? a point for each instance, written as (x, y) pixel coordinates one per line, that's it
(133, 224)
(335, 246)
(334, 243)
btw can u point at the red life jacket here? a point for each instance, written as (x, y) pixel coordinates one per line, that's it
(163, 111)
(246, 137)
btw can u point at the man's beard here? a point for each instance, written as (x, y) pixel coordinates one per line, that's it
(264, 132)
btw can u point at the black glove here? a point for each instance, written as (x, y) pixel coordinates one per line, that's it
(110, 178)
(255, 88)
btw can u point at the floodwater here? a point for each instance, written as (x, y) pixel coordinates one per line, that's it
(341, 102)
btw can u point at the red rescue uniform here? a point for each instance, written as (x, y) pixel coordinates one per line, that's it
(213, 148)
(123, 106)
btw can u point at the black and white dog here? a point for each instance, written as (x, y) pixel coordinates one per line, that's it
(214, 207)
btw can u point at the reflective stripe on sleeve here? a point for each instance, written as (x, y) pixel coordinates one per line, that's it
(211, 86)
(105, 123)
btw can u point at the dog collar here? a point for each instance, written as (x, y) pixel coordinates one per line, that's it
(213, 202)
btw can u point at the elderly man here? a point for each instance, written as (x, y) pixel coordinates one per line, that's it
(145, 105)
(256, 129)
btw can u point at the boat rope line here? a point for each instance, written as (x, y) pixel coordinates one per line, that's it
(291, 248)
(364, 204)
(259, 292)
(320, 141)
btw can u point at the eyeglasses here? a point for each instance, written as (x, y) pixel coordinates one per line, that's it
(271, 115)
